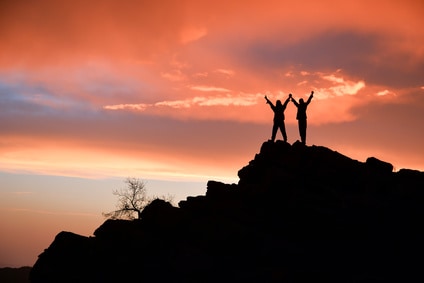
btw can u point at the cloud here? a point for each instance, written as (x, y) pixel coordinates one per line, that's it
(209, 88)
(227, 72)
(238, 100)
(201, 74)
(371, 53)
(342, 49)
(202, 101)
(136, 106)
(174, 76)
(343, 87)
(385, 92)
(192, 34)
(23, 96)
(187, 103)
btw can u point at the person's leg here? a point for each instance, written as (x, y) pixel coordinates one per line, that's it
(299, 125)
(274, 131)
(302, 130)
(283, 131)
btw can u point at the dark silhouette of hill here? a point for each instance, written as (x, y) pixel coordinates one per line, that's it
(298, 214)
(15, 275)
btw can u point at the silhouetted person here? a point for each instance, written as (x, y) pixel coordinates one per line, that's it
(278, 117)
(301, 116)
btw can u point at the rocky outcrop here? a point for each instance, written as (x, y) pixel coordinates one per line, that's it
(298, 214)
(15, 275)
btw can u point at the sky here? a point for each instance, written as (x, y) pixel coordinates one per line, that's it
(172, 93)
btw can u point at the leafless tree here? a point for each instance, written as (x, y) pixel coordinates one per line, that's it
(132, 200)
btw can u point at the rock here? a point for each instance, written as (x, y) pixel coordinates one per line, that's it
(378, 165)
(298, 214)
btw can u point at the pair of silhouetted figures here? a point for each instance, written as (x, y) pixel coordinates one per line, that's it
(279, 108)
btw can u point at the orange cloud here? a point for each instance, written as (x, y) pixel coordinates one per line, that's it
(340, 86)
(192, 34)
(138, 107)
(209, 88)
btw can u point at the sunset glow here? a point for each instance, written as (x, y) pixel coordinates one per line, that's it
(174, 91)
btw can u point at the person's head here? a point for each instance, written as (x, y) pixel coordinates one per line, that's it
(279, 103)
(301, 100)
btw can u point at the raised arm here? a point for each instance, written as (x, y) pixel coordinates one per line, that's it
(287, 100)
(269, 102)
(294, 100)
(310, 98)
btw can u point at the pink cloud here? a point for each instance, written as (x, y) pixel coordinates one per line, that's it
(209, 88)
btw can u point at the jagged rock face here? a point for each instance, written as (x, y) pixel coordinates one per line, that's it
(298, 214)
